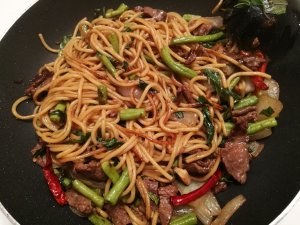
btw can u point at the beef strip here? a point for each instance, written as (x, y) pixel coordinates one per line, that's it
(38, 81)
(201, 166)
(184, 94)
(253, 62)
(219, 187)
(79, 202)
(38, 158)
(242, 117)
(156, 14)
(118, 214)
(165, 208)
(151, 185)
(236, 158)
(203, 29)
(91, 170)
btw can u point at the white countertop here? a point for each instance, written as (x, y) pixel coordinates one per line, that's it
(10, 11)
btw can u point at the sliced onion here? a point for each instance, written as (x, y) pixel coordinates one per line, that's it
(264, 102)
(183, 175)
(126, 91)
(249, 86)
(229, 209)
(261, 134)
(181, 210)
(189, 119)
(273, 88)
(216, 21)
(206, 207)
(255, 148)
(183, 189)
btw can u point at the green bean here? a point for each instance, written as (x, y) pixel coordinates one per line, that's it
(107, 63)
(186, 219)
(189, 17)
(58, 113)
(114, 41)
(175, 66)
(102, 94)
(131, 114)
(196, 39)
(149, 59)
(118, 188)
(117, 12)
(87, 192)
(248, 101)
(260, 125)
(98, 220)
(228, 126)
(233, 83)
(66, 182)
(110, 171)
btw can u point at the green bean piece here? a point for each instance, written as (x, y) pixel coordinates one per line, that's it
(260, 125)
(88, 192)
(102, 94)
(233, 83)
(175, 66)
(245, 102)
(228, 127)
(107, 63)
(186, 219)
(110, 171)
(57, 115)
(118, 188)
(149, 59)
(98, 220)
(196, 39)
(114, 41)
(122, 8)
(66, 182)
(131, 114)
(189, 17)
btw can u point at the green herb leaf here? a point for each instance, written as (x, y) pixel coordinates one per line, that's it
(82, 138)
(210, 129)
(41, 152)
(110, 144)
(267, 112)
(142, 85)
(203, 101)
(125, 65)
(127, 29)
(179, 114)
(64, 41)
(153, 197)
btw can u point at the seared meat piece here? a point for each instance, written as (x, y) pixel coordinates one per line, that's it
(79, 202)
(156, 14)
(36, 153)
(236, 158)
(38, 81)
(201, 166)
(219, 187)
(242, 117)
(151, 185)
(253, 62)
(184, 95)
(165, 208)
(118, 215)
(91, 170)
(203, 29)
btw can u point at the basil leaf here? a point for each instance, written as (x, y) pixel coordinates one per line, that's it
(110, 144)
(82, 138)
(153, 197)
(203, 101)
(267, 112)
(142, 85)
(210, 129)
(179, 115)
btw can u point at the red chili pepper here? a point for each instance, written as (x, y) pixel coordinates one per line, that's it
(192, 196)
(53, 182)
(259, 81)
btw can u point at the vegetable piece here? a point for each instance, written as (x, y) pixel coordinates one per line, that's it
(114, 41)
(110, 144)
(58, 115)
(110, 171)
(102, 94)
(203, 101)
(175, 66)
(189, 17)
(153, 197)
(82, 137)
(234, 82)
(260, 125)
(187, 198)
(98, 220)
(273, 90)
(87, 192)
(131, 114)
(196, 39)
(66, 182)
(107, 63)
(228, 210)
(117, 189)
(64, 41)
(149, 59)
(187, 219)
(206, 207)
(183, 175)
(117, 12)
(255, 148)
(267, 112)
(248, 101)
(210, 129)
(259, 82)
(142, 85)
(261, 134)
(264, 102)
(53, 182)
(228, 126)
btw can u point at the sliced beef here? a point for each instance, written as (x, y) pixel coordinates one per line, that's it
(203, 29)
(38, 81)
(242, 117)
(156, 14)
(253, 62)
(79, 202)
(201, 166)
(38, 151)
(184, 95)
(165, 208)
(236, 158)
(118, 215)
(219, 187)
(91, 170)
(151, 185)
